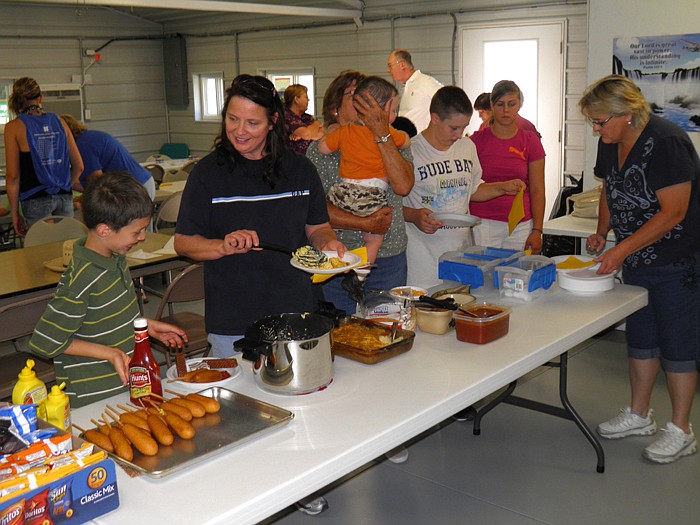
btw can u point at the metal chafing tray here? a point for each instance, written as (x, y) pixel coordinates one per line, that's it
(240, 420)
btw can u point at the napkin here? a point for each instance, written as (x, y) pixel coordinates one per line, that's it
(168, 249)
(140, 254)
(517, 211)
(321, 277)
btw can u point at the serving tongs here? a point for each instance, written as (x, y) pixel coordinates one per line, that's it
(441, 303)
(274, 247)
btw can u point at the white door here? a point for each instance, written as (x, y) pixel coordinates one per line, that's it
(532, 56)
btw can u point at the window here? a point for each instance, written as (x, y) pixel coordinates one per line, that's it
(283, 78)
(5, 91)
(208, 96)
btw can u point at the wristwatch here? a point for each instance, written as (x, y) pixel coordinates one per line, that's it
(383, 139)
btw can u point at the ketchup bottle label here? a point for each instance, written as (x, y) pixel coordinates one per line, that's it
(139, 382)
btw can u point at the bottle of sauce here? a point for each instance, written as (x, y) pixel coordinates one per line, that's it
(58, 407)
(30, 389)
(144, 372)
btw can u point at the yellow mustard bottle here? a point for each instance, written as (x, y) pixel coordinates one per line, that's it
(30, 389)
(58, 407)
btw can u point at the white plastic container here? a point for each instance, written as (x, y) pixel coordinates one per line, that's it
(525, 278)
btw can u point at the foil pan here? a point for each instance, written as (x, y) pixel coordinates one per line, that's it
(240, 420)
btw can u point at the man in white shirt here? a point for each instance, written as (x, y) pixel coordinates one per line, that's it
(419, 88)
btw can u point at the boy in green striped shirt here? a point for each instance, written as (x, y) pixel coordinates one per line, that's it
(87, 328)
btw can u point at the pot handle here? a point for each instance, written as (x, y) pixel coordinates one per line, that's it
(252, 350)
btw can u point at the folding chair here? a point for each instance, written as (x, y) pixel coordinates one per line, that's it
(54, 228)
(187, 287)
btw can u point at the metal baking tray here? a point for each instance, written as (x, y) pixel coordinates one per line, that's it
(240, 420)
(371, 357)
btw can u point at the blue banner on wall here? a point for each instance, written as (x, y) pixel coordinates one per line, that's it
(667, 70)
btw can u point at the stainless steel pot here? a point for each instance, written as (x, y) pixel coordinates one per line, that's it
(292, 352)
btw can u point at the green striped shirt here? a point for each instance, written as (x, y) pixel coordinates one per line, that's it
(95, 301)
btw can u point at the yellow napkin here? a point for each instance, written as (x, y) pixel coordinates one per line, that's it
(517, 211)
(321, 277)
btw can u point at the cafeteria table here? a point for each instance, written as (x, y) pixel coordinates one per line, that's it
(24, 274)
(366, 411)
(571, 226)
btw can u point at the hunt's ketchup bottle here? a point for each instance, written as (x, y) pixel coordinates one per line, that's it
(144, 372)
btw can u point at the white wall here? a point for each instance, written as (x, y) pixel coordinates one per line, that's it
(126, 96)
(609, 19)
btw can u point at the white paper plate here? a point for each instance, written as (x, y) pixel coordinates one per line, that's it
(350, 258)
(586, 281)
(172, 374)
(456, 220)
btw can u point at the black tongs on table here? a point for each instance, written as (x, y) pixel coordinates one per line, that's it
(441, 303)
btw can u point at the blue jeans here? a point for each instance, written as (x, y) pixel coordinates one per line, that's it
(222, 345)
(389, 273)
(36, 209)
(668, 328)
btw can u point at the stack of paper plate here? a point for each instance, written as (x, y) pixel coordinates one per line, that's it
(586, 281)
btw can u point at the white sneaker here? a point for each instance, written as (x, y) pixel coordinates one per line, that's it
(398, 455)
(627, 424)
(312, 505)
(672, 445)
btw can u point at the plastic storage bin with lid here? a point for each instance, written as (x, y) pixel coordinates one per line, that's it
(474, 266)
(526, 277)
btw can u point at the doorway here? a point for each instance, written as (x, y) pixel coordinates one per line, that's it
(532, 55)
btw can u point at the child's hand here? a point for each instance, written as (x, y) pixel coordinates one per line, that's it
(170, 335)
(120, 362)
(512, 187)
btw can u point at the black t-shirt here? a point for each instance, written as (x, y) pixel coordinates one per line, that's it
(219, 199)
(662, 156)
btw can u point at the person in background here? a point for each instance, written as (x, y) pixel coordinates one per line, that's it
(252, 188)
(302, 127)
(651, 174)
(41, 158)
(418, 91)
(482, 105)
(101, 153)
(340, 108)
(363, 188)
(447, 177)
(507, 152)
(87, 328)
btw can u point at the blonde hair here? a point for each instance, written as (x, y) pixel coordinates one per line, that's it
(293, 91)
(616, 95)
(76, 128)
(24, 91)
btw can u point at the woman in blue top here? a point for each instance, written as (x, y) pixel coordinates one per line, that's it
(101, 152)
(651, 175)
(41, 159)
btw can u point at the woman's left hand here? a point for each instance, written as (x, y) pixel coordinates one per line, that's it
(372, 115)
(534, 242)
(611, 260)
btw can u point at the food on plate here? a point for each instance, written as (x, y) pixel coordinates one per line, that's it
(312, 258)
(574, 263)
(367, 338)
(180, 365)
(204, 375)
(221, 363)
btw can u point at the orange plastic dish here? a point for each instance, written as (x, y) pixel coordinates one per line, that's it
(481, 323)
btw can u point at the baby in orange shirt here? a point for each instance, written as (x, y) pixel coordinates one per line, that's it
(364, 184)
